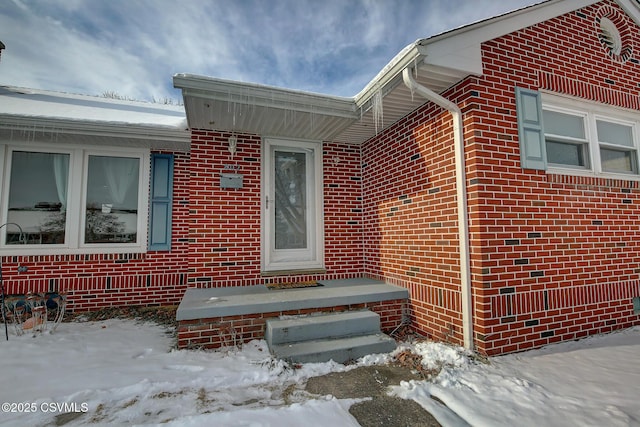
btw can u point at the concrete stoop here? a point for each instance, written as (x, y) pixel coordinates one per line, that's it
(319, 338)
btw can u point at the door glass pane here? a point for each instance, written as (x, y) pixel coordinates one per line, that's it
(290, 200)
(38, 188)
(563, 124)
(617, 161)
(112, 200)
(614, 133)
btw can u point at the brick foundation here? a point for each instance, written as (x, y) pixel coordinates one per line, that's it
(216, 332)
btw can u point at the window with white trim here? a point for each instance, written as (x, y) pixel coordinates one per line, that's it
(618, 151)
(566, 138)
(590, 141)
(577, 136)
(72, 200)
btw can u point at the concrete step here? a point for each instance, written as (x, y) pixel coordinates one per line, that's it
(340, 350)
(318, 327)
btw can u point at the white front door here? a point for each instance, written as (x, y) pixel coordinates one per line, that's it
(292, 228)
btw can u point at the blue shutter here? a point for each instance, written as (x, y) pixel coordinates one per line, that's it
(533, 152)
(161, 202)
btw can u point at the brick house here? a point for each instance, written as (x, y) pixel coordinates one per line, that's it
(491, 171)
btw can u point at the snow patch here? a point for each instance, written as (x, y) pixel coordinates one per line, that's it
(126, 375)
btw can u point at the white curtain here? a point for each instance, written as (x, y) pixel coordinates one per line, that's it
(121, 174)
(61, 174)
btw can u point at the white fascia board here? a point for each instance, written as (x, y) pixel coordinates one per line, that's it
(264, 96)
(467, 59)
(116, 130)
(461, 48)
(632, 8)
(391, 74)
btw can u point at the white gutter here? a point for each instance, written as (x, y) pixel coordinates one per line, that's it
(387, 76)
(107, 129)
(461, 187)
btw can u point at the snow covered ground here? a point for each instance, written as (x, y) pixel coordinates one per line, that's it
(121, 372)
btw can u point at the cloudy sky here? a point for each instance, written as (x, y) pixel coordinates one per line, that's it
(133, 47)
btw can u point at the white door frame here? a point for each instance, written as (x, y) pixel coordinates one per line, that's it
(311, 257)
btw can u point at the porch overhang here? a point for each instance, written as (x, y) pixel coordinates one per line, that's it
(238, 107)
(227, 105)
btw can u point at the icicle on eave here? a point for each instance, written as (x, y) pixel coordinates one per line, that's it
(377, 110)
(234, 116)
(312, 119)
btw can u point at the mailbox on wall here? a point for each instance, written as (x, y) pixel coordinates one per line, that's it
(231, 180)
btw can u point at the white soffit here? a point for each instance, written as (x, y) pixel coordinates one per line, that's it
(232, 106)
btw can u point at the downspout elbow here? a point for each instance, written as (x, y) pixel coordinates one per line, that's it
(427, 93)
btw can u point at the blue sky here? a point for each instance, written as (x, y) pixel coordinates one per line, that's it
(133, 47)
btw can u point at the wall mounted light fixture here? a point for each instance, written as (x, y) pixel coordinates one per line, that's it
(233, 143)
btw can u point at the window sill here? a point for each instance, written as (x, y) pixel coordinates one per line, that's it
(292, 272)
(591, 174)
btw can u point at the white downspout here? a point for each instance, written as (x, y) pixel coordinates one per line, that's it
(461, 187)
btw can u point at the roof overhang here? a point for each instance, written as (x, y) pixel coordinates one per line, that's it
(232, 106)
(46, 130)
(239, 107)
(437, 63)
(36, 116)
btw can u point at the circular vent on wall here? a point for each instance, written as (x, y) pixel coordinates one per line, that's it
(610, 36)
(613, 33)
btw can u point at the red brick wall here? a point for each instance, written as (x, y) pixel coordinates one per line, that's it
(216, 234)
(102, 280)
(552, 257)
(225, 223)
(410, 215)
(555, 257)
(343, 210)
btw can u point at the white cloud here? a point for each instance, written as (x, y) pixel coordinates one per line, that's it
(134, 48)
(44, 51)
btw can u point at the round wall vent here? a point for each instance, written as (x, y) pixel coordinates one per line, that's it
(613, 33)
(610, 36)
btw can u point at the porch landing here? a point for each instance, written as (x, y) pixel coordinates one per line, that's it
(218, 317)
(220, 302)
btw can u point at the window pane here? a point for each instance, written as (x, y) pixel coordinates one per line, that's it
(112, 200)
(614, 133)
(563, 153)
(563, 124)
(38, 188)
(617, 161)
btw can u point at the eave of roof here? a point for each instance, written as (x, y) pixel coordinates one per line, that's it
(47, 116)
(212, 103)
